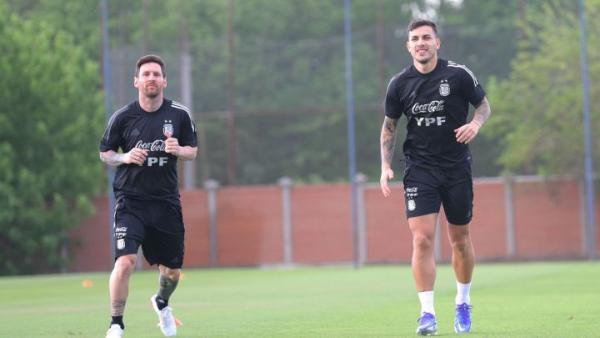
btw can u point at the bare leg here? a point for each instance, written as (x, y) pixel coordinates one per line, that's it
(168, 280)
(463, 262)
(463, 256)
(119, 283)
(423, 260)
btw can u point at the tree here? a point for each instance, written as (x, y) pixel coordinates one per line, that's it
(49, 131)
(538, 109)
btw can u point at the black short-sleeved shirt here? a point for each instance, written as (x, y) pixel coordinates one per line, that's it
(435, 104)
(132, 127)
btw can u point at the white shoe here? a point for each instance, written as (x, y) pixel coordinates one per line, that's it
(115, 331)
(166, 321)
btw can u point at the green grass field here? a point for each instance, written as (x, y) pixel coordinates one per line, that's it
(510, 300)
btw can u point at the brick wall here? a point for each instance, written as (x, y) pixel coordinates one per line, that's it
(546, 216)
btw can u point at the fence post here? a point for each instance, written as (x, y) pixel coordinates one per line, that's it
(583, 217)
(286, 204)
(211, 187)
(509, 207)
(360, 180)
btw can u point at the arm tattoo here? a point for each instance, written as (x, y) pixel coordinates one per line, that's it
(388, 140)
(118, 307)
(482, 112)
(111, 158)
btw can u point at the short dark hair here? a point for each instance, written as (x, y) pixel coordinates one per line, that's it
(151, 58)
(420, 23)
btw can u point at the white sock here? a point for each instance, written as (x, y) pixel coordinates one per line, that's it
(462, 293)
(426, 299)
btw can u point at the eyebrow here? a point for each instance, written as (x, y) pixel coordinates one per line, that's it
(424, 35)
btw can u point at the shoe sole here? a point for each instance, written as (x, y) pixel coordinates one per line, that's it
(427, 332)
(461, 332)
(456, 330)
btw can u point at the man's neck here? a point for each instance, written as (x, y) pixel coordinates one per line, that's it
(428, 67)
(150, 104)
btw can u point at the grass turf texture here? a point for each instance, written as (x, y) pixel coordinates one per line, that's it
(510, 300)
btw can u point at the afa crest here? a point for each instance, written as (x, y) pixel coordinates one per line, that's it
(412, 205)
(444, 88)
(168, 128)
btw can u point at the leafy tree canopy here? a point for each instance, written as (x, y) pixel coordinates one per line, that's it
(51, 118)
(538, 109)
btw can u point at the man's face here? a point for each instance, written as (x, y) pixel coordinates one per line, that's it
(150, 80)
(423, 44)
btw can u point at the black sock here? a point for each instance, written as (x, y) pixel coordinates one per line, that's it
(161, 303)
(118, 320)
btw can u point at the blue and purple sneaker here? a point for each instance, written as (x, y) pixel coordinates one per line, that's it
(427, 325)
(462, 321)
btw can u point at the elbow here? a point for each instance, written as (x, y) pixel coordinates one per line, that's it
(192, 155)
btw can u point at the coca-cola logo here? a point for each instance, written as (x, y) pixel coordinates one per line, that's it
(433, 106)
(156, 145)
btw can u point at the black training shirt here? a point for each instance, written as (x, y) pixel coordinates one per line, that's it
(435, 104)
(132, 127)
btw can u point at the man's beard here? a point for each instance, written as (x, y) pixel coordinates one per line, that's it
(151, 94)
(424, 61)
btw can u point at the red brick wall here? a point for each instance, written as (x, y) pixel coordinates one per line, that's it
(547, 218)
(249, 224)
(91, 251)
(195, 218)
(322, 229)
(388, 236)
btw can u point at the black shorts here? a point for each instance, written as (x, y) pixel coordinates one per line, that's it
(425, 189)
(155, 225)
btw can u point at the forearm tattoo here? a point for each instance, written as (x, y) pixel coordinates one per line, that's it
(117, 307)
(482, 112)
(111, 158)
(167, 286)
(388, 140)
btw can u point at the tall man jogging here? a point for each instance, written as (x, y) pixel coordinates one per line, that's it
(434, 95)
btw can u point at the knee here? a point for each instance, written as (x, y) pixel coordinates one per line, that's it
(172, 274)
(461, 243)
(422, 242)
(125, 265)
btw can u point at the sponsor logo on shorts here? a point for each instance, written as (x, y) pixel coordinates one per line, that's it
(121, 244)
(411, 192)
(120, 232)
